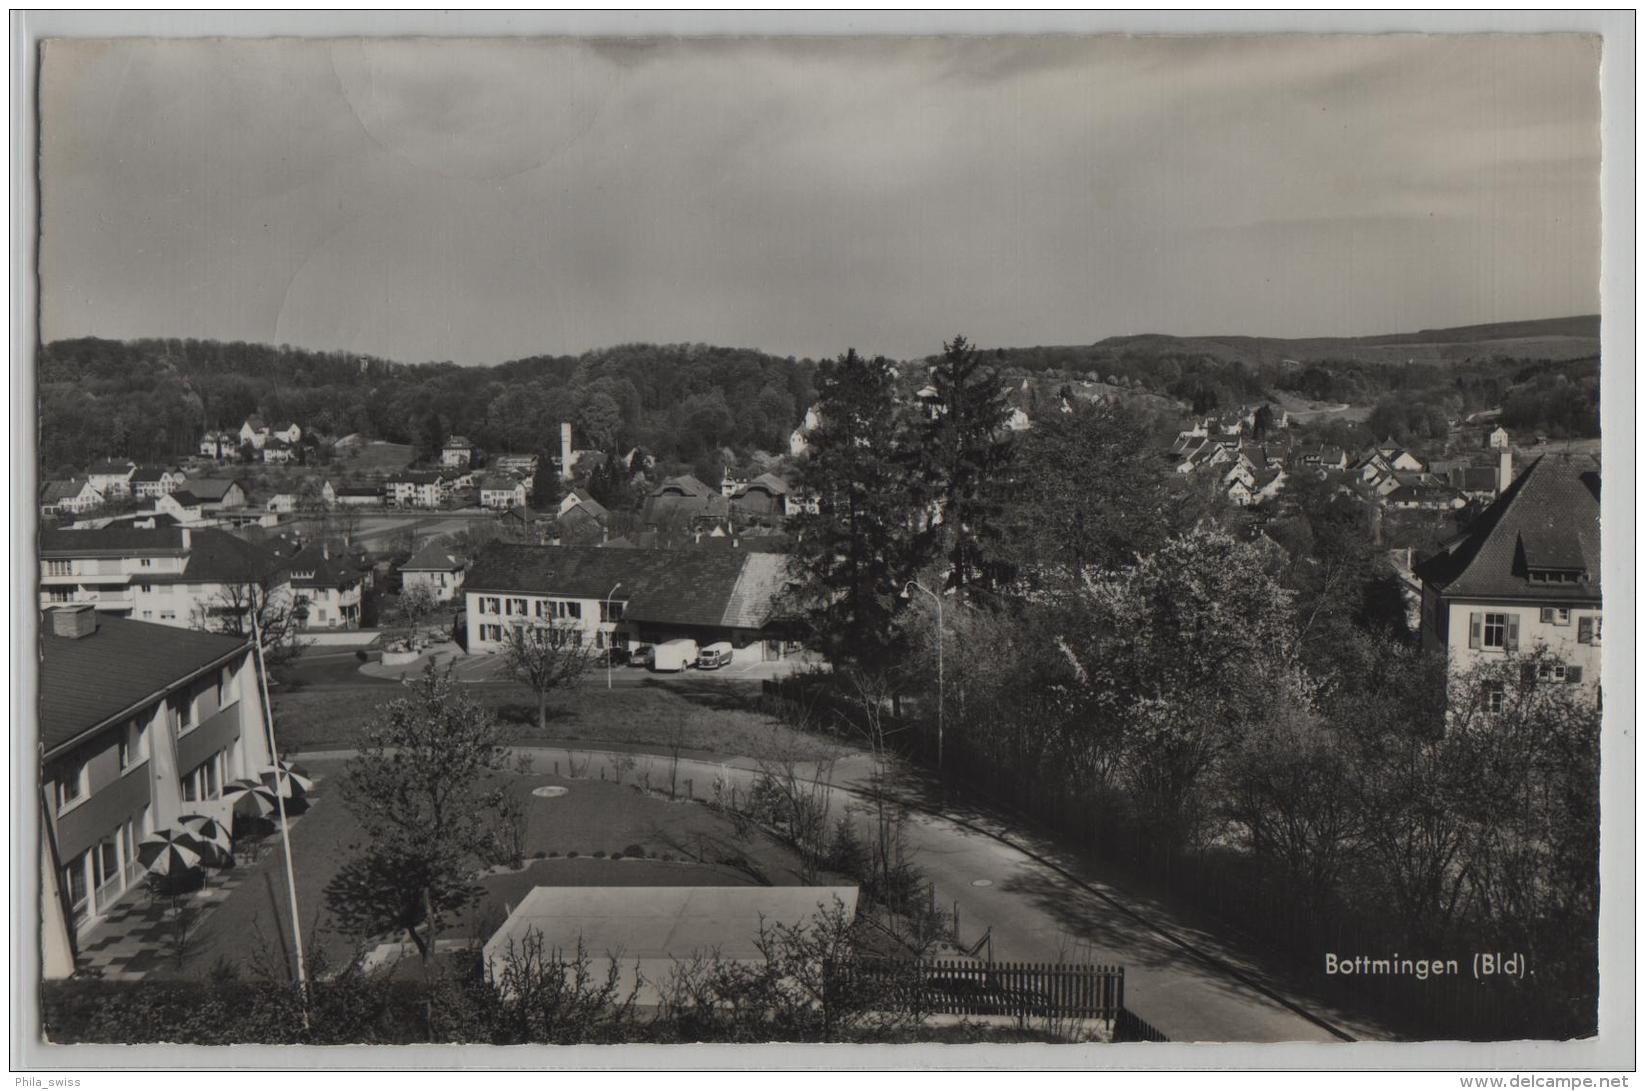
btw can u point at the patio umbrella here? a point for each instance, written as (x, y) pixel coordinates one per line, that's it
(216, 842)
(168, 852)
(251, 797)
(286, 778)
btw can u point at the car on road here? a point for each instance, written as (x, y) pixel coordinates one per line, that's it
(674, 655)
(616, 655)
(641, 656)
(714, 656)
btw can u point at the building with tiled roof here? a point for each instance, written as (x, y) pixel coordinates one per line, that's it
(501, 492)
(172, 717)
(328, 588)
(629, 596)
(219, 493)
(1525, 576)
(435, 567)
(457, 451)
(73, 496)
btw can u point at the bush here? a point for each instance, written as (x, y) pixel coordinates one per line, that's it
(599, 855)
(572, 855)
(633, 850)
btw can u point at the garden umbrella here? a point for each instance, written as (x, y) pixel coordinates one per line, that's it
(168, 852)
(216, 842)
(286, 778)
(251, 797)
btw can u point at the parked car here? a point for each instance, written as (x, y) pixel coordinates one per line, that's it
(674, 655)
(641, 656)
(714, 656)
(616, 655)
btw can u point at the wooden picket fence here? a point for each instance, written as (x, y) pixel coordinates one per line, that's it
(1017, 989)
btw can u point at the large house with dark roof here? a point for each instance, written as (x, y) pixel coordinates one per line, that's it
(1525, 577)
(435, 567)
(328, 587)
(172, 717)
(174, 575)
(630, 596)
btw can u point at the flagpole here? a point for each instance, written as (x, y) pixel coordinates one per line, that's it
(282, 785)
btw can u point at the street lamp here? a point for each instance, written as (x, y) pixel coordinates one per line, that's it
(938, 600)
(609, 646)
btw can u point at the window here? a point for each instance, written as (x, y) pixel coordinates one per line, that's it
(1496, 697)
(1556, 615)
(146, 588)
(60, 594)
(59, 568)
(133, 745)
(517, 608)
(611, 611)
(1550, 672)
(148, 615)
(168, 615)
(75, 888)
(491, 632)
(1588, 630)
(180, 710)
(145, 562)
(205, 780)
(225, 687)
(1494, 631)
(72, 786)
(490, 604)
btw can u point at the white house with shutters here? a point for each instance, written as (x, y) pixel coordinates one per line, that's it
(1525, 579)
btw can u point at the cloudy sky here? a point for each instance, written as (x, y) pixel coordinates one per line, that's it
(483, 200)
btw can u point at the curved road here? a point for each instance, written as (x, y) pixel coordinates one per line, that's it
(1186, 982)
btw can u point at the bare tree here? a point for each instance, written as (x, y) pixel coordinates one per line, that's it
(246, 607)
(546, 658)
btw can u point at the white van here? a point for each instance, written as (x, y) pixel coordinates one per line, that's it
(674, 655)
(714, 656)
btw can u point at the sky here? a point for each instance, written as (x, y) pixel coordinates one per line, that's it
(484, 200)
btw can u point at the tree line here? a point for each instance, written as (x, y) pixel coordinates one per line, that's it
(152, 399)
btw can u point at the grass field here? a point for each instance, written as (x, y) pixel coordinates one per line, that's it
(700, 718)
(376, 457)
(682, 842)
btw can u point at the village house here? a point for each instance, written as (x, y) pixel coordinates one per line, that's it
(219, 445)
(522, 466)
(327, 589)
(678, 501)
(173, 717)
(765, 495)
(255, 431)
(436, 568)
(71, 497)
(153, 482)
(457, 452)
(1255, 487)
(287, 432)
(279, 452)
(171, 575)
(112, 478)
(416, 489)
(182, 506)
(282, 503)
(629, 596)
(219, 494)
(500, 492)
(798, 441)
(1524, 577)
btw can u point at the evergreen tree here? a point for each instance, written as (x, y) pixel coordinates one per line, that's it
(964, 451)
(854, 558)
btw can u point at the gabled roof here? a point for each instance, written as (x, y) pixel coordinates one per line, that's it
(257, 423)
(186, 498)
(686, 485)
(499, 483)
(590, 506)
(132, 663)
(53, 491)
(111, 469)
(311, 567)
(436, 556)
(148, 474)
(1548, 518)
(679, 587)
(457, 442)
(771, 483)
(216, 556)
(213, 489)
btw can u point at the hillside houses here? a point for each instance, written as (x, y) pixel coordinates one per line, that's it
(457, 452)
(71, 496)
(153, 482)
(112, 478)
(501, 492)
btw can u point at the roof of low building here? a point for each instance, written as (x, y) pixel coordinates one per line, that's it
(315, 566)
(67, 489)
(734, 589)
(111, 468)
(590, 506)
(1548, 518)
(213, 489)
(132, 662)
(436, 556)
(186, 498)
(148, 474)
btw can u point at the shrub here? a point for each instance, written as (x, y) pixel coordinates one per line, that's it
(572, 855)
(616, 856)
(599, 854)
(538, 855)
(633, 850)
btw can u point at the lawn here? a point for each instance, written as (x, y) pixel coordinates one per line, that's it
(376, 457)
(703, 718)
(577, 834)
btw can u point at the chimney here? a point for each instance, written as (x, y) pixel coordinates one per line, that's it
(1505, 471)
(565, 450)
(74, 622)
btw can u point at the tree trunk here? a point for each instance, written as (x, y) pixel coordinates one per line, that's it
(542, 711)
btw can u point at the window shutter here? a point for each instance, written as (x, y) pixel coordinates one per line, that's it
(1512, 642)
(1585, 630)
(1547, 615)
(1573, 674)
(1476, 622)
